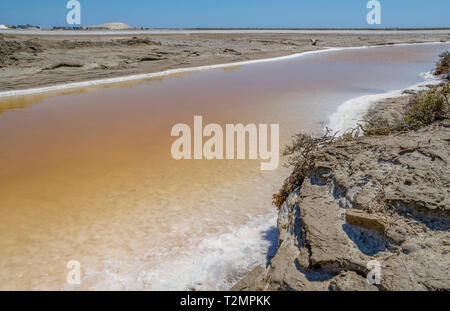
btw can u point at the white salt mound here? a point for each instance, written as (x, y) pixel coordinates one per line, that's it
(112, 26)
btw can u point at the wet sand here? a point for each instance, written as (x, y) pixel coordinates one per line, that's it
(42, 59)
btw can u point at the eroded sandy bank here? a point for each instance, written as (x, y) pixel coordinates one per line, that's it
(40, 60)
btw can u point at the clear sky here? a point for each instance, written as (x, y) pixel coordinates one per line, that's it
(229, 13)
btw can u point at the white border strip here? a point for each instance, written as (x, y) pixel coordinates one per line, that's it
(73, 85)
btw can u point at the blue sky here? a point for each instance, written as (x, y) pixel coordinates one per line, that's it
(229, 13)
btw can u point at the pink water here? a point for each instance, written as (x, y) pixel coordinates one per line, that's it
(87, 175)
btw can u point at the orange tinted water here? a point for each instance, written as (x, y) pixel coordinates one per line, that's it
(87, 175)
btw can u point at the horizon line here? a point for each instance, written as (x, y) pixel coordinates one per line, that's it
(248, 28)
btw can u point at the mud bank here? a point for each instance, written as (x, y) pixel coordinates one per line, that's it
(383, 198)
(40, 60)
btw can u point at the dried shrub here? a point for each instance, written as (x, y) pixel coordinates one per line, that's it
(300, 157)
(379, 126)
(424, 109)
(443, 65)
(432, 106)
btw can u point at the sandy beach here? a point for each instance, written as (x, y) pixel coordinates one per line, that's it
(30, 60)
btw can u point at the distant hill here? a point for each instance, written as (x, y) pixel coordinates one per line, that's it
(111, 26)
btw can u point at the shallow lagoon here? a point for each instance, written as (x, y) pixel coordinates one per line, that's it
(87, 174)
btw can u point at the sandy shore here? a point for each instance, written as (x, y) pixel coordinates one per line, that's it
(37, 60)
